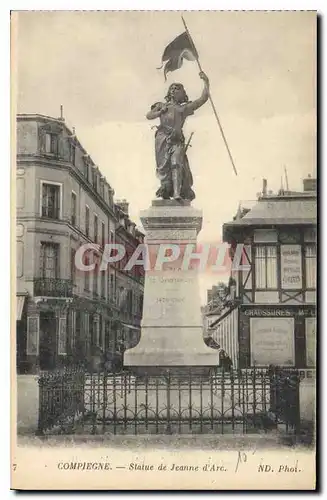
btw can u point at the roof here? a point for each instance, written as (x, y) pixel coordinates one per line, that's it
(300, 209)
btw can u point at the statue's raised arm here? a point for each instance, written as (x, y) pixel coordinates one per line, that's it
(197, 103)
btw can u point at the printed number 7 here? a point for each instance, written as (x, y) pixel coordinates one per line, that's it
(14, 466)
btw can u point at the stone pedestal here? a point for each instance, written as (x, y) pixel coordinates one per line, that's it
(171, 331)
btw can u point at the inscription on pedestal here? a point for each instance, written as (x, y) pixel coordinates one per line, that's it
(171, 329)
(168, 234)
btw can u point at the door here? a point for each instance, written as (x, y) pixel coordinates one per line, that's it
(48, 340)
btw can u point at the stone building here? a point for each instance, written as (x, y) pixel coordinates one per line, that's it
(62, 202)
(272, 317)
(129, 283)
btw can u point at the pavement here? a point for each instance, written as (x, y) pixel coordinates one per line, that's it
(27, 404)
(160, 442)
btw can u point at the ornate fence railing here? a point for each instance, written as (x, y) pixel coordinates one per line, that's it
(225, 402)
(61, 399)
(53, 287)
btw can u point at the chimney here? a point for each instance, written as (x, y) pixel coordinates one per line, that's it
(264, 187)
(309, 184)
(123, 205)
(62, 113)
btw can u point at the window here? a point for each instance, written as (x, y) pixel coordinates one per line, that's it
(86, 170)
(73, 208)
(95, 228)
(50, 200)
(103, 234)
(310, 253)
(111, 285)
(129, 301)
(103, 284)
(49, 260)
(51, 143)
(310, 235)
(72, 265)
(87, 273)
(72, 153)
(95, 281)
(87, 221)
(266, 267)
(94, 179)
(101, 323)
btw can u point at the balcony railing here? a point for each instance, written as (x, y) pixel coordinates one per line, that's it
(53, 287)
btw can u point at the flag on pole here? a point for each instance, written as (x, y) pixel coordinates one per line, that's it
(180, 48)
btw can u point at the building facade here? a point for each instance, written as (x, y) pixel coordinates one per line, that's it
(130, 282)
(272, 317)
(62, 202)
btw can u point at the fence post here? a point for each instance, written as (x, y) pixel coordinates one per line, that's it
(40, 424)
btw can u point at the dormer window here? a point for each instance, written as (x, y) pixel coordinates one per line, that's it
(86, 161)
(49, 139)
(95, 179)
(101, 189)
(51, 143)
(72, 151)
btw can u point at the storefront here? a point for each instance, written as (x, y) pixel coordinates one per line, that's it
(284, 336)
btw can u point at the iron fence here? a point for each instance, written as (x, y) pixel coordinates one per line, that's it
(61, 399)
(224, 402)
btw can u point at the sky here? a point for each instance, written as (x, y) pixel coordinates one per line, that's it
(101, 66)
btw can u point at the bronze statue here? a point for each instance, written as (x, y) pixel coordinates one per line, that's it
(173, 169)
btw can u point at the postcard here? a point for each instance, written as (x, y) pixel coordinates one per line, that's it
(164, 197)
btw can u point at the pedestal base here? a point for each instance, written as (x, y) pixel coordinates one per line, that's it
(171, 330)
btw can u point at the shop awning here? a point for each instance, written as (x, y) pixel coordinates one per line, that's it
(20, 300)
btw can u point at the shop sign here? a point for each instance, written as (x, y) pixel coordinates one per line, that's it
(291, 267)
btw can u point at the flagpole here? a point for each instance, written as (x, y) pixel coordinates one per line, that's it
(210, 98)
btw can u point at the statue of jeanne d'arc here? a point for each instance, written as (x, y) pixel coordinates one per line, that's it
(173, 169)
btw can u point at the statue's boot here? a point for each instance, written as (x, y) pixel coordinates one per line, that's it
(177, 183)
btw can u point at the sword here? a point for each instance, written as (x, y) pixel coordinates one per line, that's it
(189, 142)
